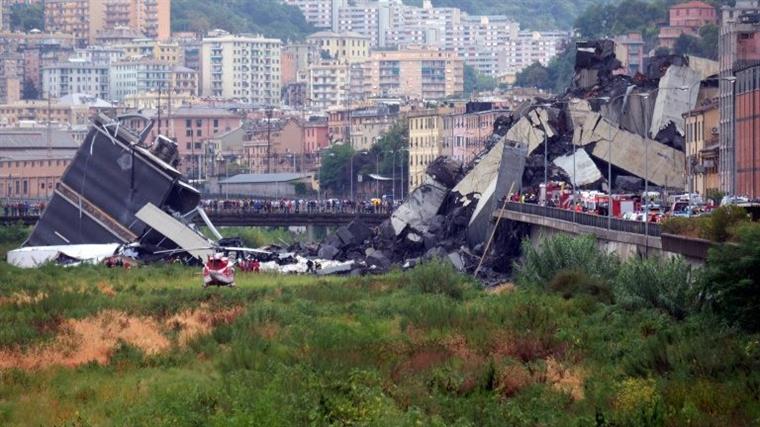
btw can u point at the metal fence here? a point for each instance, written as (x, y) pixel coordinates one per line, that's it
(581, 218)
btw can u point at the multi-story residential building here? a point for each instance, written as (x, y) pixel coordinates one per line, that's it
(68, 111)
(296, 60)
(415, 74)
(368, 18)
(150, 17)
(82, 18)
(686, 18)
(99, 54)
(72, 77)
(701, 136)
(747, 130)
(465, 131)
(36, 50)
(133, 77)
(329, 85)
(425, 144)
(10, 78)
(739, 44)
(629, 50)
(158, 50)
(151, 100)
(85, 19)
(315, 135)
(117, 35)
(341, 47)
(277, 148)
(32, 161)
(367, 124)
(246, 68)
(319, 13)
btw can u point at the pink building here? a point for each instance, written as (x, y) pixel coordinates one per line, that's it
(693, 15)
(192, 128)
(316, 136)
(465, 133)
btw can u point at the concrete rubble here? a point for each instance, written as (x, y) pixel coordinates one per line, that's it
(632, 125)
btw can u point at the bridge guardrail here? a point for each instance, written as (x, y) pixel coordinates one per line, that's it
(581, 218)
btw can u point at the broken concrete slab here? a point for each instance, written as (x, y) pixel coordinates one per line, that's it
(678, 92)
(421, 205)
(508, 179)
(445, 170)
(327, 251)
(630, 153)
(482, 174)
(579, 167)
(457, 261)
(176, 231)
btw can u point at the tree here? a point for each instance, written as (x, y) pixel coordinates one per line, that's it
(732, 279)
(476, 82)
(26, 17)
(534, 75)
(392, 145)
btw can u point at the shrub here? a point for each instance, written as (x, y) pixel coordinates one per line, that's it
(732, 279)
(718, 225)
(14, 233)
(438, 277)
(540, 264)
(572, 283)
(667, 285)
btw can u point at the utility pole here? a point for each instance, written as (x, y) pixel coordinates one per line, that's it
(159, 109)
(269, 139)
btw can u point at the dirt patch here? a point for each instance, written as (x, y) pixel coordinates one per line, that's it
(22, 298)
(90, 340)
(503, 288)
(567, 380)
(200, 321)
(106, 289)
(94, 338)
(525, 347)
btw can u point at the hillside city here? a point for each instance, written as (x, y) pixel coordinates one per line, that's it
(380, 212)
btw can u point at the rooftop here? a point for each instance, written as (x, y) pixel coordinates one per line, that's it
(263, 178)
(21, 139)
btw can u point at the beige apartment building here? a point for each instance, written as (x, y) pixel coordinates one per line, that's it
(85, 19)
(702, 148)
(39, 111)
(246, 68)
(341, 47)
(158, 50)
(329, 84)
(414, 74)
(425, 144)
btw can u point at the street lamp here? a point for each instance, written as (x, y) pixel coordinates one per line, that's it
(364, 153)
(401, 164)
(319, 173)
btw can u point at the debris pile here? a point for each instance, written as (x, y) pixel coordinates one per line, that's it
(605, 121)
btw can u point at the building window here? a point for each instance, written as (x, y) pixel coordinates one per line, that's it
(189, 132)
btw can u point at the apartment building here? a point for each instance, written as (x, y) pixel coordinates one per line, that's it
(99, 54)
(150, 17)
(465, 132)
(341, 47)
(10, 78)
(701, 137)
(367, 124)
(85, 19)
(739, 44)
(425, 144)
(415, 74)
(136, 77)
(319, 13)
(629, 49)
(72, 77)
(157, 50)
(82, 18)
(246, 68)
(329, 85)
(370, 19)
(747, 127)
(277, 148)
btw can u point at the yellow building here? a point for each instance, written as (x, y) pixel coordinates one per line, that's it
(341, 47)
(15, 114)
(169, 52)
(415, 73)
(702, 148)
(425, 144)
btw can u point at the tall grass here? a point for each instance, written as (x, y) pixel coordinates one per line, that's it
(550, 256)
(669, 285)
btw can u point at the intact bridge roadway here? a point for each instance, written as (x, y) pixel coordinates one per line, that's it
(252, 219)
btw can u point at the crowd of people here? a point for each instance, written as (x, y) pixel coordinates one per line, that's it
(297, 206)
(22, 208)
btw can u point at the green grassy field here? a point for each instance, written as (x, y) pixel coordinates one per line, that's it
(92, 346)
